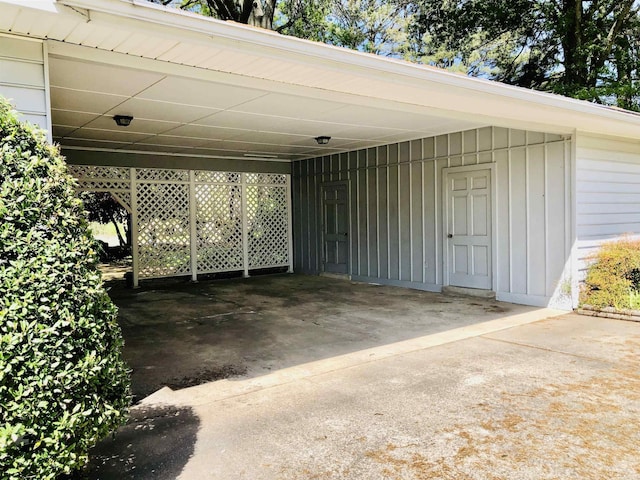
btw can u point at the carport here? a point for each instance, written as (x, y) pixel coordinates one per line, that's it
(279, 327)
(429, 179)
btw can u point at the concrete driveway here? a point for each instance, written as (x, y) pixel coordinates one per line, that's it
(507, 398)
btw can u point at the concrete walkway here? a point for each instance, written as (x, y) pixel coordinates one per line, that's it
(553, 399)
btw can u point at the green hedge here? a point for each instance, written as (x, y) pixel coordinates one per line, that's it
(63, 382)
(613, 276)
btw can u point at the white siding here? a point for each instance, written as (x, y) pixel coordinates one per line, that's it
(396, 211)
(23, 78)
(607, 193)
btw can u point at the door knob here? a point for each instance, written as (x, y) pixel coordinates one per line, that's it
(449, 235)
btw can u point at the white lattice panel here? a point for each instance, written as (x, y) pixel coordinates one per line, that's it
(204, 176)
(219, 199)
(268, 225)
(163, 229)
(162, 175)
(95, 178)
(219, 228)
(266, 178)
(96, 172)
(123, 198)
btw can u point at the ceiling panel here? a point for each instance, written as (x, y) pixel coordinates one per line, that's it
(61, 131)
(138, 125)
(71, 118)
(244, 121)
(89, 102)
(164, 111)
(111, 135)
(208, 133)
(174, 140)
(179, 115)
(152, 147)
(99, 78)
(90, 143)
(289, 106)
(196, 92)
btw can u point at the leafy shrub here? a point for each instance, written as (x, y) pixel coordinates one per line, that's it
(613, 276)
(63, 383)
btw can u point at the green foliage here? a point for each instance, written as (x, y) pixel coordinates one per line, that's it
(587, 50)
(63, 383)
(613, 277)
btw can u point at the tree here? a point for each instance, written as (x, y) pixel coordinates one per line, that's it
(259, 13)
(373, 26)
(63, 382)
(103, 208)
(582, 49)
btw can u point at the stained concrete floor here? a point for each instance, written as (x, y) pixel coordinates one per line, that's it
(180, 334)
(516, 396)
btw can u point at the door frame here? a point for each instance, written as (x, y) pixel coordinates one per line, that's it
(494, 219)
(347, 184)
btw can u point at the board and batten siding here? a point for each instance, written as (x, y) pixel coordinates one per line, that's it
(24, 78)
(396, 215)
(607, 193)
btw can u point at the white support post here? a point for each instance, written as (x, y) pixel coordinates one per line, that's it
(289, 225)
(134, 228)
(193, 236)
(245, 225)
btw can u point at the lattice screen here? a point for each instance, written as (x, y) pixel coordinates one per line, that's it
(194, 222)
(219, 226)
(268, 225)
(164, 244)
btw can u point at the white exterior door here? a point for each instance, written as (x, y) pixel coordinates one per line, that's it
(468, 228)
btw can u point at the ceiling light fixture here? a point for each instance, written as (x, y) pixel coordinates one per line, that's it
(123, 120)
(323, 140)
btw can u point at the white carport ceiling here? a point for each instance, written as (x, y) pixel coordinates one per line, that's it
(189, 116)
(199, 86)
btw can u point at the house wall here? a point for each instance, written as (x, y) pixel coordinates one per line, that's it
(607, 193)
(396, 211)
(24, 78)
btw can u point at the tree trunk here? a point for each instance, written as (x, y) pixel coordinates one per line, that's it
(575, 63)
(121, 239)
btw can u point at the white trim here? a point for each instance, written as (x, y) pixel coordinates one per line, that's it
(573, 218)
(47, 90)
(523, 299)
(134, 229)
(289, 224)
(193, 226)
(245, 225)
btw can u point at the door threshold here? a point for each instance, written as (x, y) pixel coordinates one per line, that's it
(468, 292)
(337, 276)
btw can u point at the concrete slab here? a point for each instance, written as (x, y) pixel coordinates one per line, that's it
(180, 334)
(555, 399)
